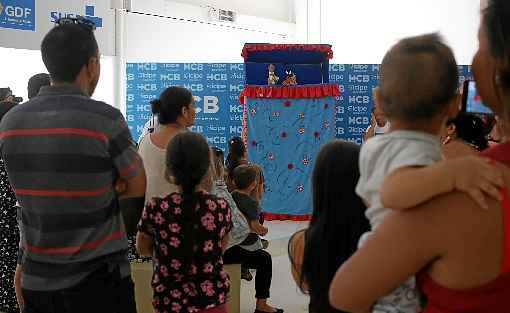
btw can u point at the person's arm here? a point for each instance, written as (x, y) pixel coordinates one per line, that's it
(135, 186)
(19, 261)
(400, 247)
(131, 183)
(257, 228)
(17, 286)
(224, 242)
(146, 231)
(410, 186)
(296, 254)
(144, 244)
(127, 161)
(369, 133)
(258, 191)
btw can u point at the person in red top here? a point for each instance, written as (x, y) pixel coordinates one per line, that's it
(459, 252)
(186, 234)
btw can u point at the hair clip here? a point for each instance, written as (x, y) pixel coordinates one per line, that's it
(80, 20)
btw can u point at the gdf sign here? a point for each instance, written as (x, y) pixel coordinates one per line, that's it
(17, 14)
(13, 11)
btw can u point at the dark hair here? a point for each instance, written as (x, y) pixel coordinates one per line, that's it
(218, 161)
(419, 76)
(337, 222)
(471, 129)
(490, 122)
(36, 82)
(497, 25)
(188, 160)
(170, 104)
(236, 151)
(6, 106)
(4, 93)
(245, 175)
(66, 49)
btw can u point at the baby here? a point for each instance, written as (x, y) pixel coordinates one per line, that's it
(399, 170)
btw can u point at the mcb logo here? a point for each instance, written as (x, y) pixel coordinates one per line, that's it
(17, 14)
(89, 14)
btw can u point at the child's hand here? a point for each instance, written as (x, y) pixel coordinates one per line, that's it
(264, 231)
(120, 186)
(259, 229)
(477, 176)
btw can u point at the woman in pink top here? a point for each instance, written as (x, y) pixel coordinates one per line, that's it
(460, 252)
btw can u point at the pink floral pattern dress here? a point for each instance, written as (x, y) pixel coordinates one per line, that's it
(182, 285)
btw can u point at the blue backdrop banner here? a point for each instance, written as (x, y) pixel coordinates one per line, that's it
(216, 87)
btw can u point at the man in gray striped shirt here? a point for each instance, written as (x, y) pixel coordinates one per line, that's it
(64, 153)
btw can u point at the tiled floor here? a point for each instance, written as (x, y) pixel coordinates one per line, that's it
(284, 293)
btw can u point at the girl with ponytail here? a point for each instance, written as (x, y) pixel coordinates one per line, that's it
(186, 232)
(236, 156)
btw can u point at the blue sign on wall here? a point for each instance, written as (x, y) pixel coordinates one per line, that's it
(17, 14)
(89, 14)
(216, 87)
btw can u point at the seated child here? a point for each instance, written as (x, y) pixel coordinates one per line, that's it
(246, 196)
(418, 93)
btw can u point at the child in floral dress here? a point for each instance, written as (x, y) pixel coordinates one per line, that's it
(186, 233)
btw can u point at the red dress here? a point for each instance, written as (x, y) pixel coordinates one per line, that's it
(493, 297)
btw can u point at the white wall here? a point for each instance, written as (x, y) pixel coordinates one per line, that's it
(45, 12)
(282, 10)
(18, 65)
(174, 32)
(160, 39)
(362, 31)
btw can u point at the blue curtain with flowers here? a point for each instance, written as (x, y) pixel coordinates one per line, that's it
(284, 137)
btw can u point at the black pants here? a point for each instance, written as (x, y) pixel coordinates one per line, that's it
(259, 260)
(101, 292)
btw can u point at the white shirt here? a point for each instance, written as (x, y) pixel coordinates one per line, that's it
(381, 155)
(155, 167)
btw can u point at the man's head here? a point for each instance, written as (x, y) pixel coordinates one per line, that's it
(71, 55)
(36, 82)
(419, 80)
(245, 177)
